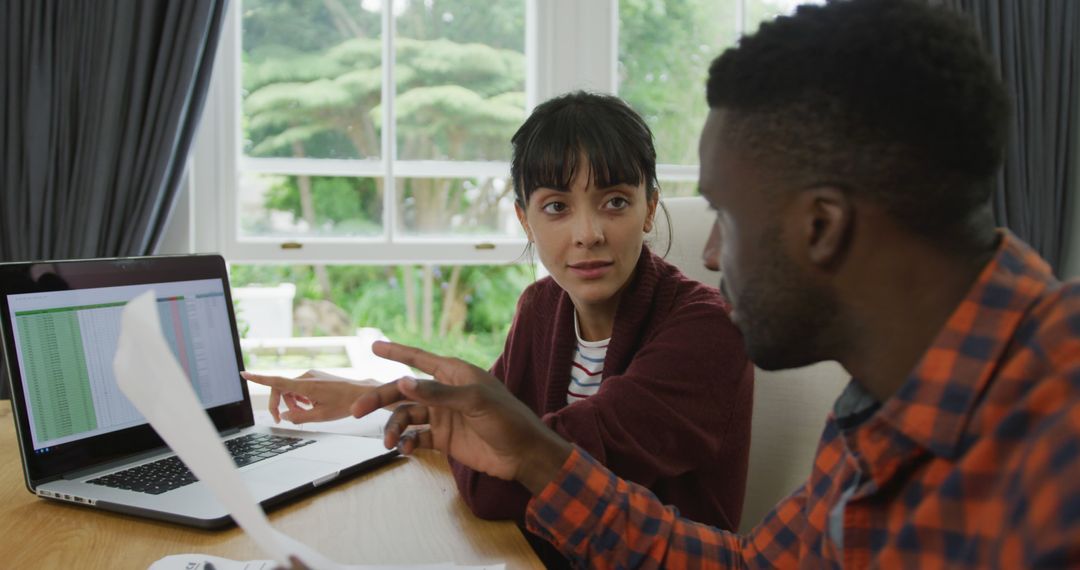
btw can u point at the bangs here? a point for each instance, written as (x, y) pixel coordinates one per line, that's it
(614, 152)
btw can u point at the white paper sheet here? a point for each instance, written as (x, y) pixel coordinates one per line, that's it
(149, 375)
(370, 425)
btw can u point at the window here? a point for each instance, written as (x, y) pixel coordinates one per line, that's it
(360, 150)
(664, 52)
(376, 124)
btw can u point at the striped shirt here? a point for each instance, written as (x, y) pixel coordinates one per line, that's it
(974, 462)
(587, 367)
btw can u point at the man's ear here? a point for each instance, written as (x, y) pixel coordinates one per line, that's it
(521, 219)
(826, 219)
(650, 216)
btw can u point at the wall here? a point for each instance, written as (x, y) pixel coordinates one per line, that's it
(177, 238)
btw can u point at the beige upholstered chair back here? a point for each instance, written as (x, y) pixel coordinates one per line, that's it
(790, 406)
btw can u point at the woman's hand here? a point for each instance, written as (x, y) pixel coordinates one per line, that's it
(313, 396)
(467, 414)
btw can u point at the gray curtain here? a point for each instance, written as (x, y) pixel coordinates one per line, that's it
(100, 104)
(1036, 44)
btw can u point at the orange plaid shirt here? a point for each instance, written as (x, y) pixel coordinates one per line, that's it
(975, 462)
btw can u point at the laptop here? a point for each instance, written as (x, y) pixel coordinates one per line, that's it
(82, 441)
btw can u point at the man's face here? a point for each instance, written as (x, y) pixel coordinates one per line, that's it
(783, 315)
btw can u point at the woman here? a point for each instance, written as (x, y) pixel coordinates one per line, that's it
(616, 350)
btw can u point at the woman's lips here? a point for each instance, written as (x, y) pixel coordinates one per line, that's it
(591, 269)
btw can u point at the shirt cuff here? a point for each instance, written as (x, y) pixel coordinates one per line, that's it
(563, 510)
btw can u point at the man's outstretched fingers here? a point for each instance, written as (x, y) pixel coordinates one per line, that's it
(414, 439)
(412, 356)
(401, 418)
(376, 398)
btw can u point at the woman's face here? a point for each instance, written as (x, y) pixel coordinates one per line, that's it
(589, 238)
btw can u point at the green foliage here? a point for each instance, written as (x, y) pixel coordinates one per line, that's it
(318, 93)
(349, 206)
(373, 296)
(480, 349)
(665, 47)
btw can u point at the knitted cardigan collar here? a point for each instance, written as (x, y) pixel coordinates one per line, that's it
(634, 308)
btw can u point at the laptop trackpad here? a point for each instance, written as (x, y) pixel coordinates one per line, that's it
(287, 473)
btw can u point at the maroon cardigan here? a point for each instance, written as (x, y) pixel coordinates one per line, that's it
(673, 413)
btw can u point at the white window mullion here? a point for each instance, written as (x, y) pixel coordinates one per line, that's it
(313, 166)
(375, 168)
(676, 173)
(573, 52)
(449, 250)
(740, 18)
(533, 80)
(389, 130)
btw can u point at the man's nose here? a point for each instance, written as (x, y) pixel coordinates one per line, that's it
(710, 256)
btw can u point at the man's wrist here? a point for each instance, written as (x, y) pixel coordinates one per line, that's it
(543, 464)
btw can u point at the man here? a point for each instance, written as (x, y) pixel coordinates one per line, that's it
(848, 154)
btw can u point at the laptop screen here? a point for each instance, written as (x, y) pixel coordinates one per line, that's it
(60, 326)
(65, 342)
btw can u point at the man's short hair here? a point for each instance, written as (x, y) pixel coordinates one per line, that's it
(891, 99)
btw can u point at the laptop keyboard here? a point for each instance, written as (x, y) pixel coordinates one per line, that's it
(170, 473)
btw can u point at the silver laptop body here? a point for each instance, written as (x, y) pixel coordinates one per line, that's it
(82, 442)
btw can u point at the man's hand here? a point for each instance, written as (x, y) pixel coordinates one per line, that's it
(467, 414)
(313, 396)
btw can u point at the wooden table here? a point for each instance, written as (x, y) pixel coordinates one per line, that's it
(408, 512)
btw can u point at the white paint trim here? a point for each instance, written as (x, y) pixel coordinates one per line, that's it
(216, 146)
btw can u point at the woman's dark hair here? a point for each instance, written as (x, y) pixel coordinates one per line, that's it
(612, 137)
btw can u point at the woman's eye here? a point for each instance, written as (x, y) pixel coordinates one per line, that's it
(618, 203)
(553, 207)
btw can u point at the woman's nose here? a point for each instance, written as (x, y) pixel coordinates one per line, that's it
(588, 231)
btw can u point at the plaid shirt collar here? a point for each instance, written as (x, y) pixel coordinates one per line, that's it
(932, 409)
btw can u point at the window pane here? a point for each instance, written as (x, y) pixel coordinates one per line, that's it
(312, 78)
(468, 314)
(309, 206)
(678, 189)
(460, 75)
(664, 52)
(457, 206)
